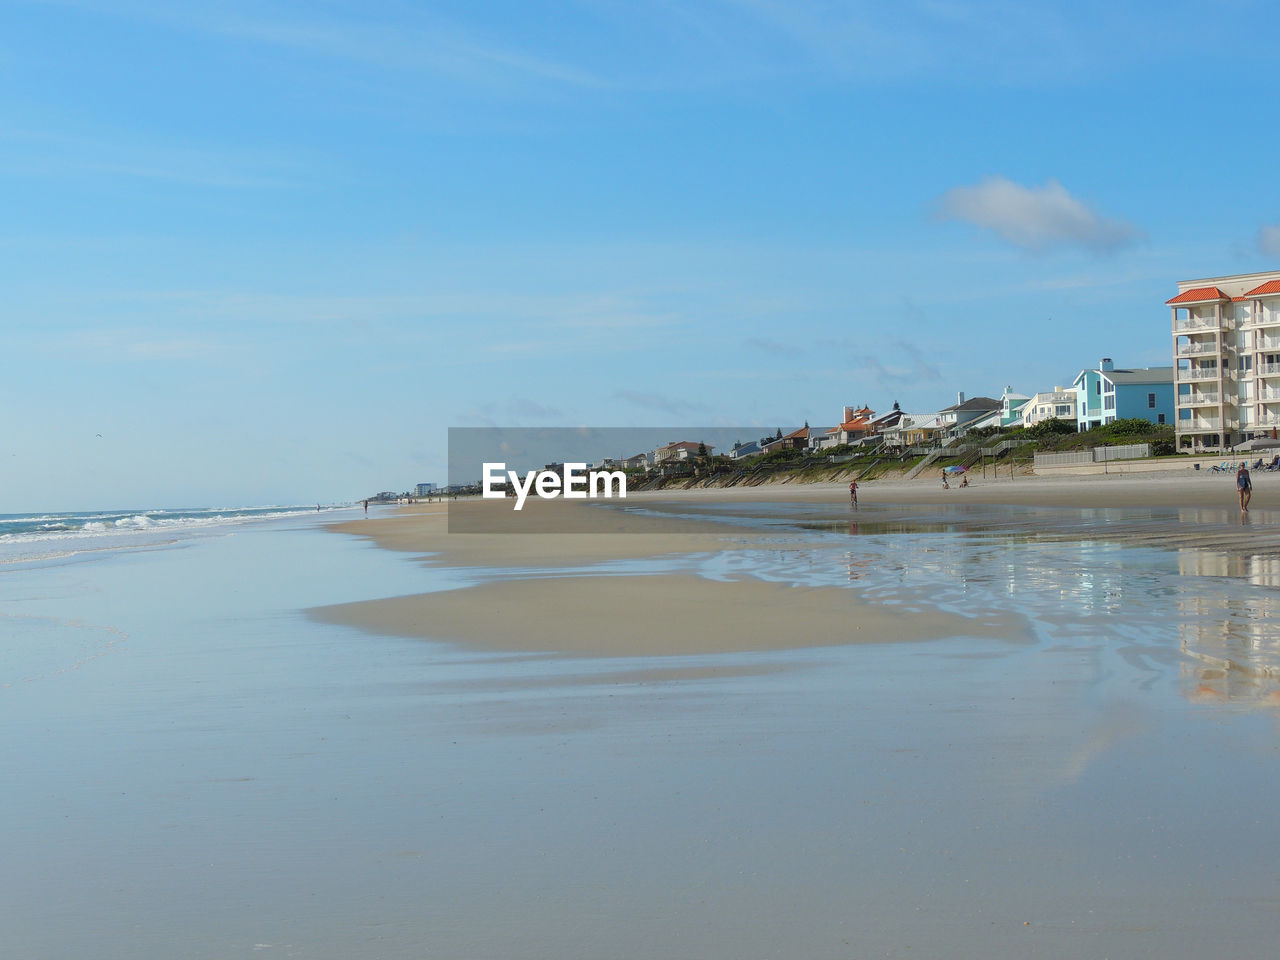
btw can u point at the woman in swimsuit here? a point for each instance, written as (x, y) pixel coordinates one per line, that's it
(1244, 485)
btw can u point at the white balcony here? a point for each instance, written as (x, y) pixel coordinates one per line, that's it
(1202, 399)
(1268, 420)
(1197, 323)
(1201, 423)
(1197, 349)
(1206, 373)
(1270, 395)
(1269, 369)
(1268, 343)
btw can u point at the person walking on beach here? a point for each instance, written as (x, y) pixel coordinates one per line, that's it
(1244, 486)
(945, 485)
(366, 507)
(853, 494)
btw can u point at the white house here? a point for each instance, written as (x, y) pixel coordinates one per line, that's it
(1058, 403)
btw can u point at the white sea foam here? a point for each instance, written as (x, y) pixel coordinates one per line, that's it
(57, 536)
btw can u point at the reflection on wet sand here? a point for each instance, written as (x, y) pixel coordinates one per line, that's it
(1202, 577)
(1231, 635)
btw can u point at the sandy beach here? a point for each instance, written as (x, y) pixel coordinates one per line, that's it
(571, 610)
(991, 730)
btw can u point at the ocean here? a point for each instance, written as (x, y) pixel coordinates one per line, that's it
(28, 537)
(194, 768)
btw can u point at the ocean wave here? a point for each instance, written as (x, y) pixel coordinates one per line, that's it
(80, 526)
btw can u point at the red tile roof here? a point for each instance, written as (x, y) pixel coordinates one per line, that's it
(1270, 287)
(1199, 295)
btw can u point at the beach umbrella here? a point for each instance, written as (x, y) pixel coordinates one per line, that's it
(953, 469)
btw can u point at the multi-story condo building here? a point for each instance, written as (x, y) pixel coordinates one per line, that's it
(1226, 355)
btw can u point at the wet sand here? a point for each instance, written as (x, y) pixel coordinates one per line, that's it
(656, 616)
(563, 611)
(201, 771)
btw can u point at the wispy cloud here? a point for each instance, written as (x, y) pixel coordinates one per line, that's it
(774, 348)
(140, 344)
(661, 403)
(119, 153)
(1035, 218)
(414, 40)
(519, 408)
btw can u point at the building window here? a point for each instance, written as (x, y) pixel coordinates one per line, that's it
(1097, 386)
(1246, 363)
(1151, 401)
(1159, 418)
(1109, 402)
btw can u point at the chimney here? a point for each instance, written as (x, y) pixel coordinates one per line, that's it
(959, 398)
(1106, 365)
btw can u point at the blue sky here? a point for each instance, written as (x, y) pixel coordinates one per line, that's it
(271, 251)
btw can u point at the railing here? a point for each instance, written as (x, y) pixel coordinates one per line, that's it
(1201, 423)
(1198, 323)
(1265, 395)
(1198, 399)
(1130, 451)
(1196, 349)
(1062, 459)
(1269, 369)
(1001, 447)
(932, 456)
(1201, 374)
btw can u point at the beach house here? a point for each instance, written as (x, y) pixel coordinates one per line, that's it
(1118, 393)
(1011, 405)
(640, 461)
(965, 415)
(914, 428)
(823, 438)
(884, 422)
(856, 425)
(1056, 404)
(796, 440)
(681, 450)
(1226, 357)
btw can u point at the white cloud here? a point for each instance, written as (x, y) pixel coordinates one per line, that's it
(1269, 239)
(1035, 218)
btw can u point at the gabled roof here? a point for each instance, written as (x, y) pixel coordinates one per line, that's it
(913, 421)
(973, 404)
(1199, 295)
(1148, 375)
(1270, 288)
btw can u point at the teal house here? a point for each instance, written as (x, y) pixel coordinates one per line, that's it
(1119, 393)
